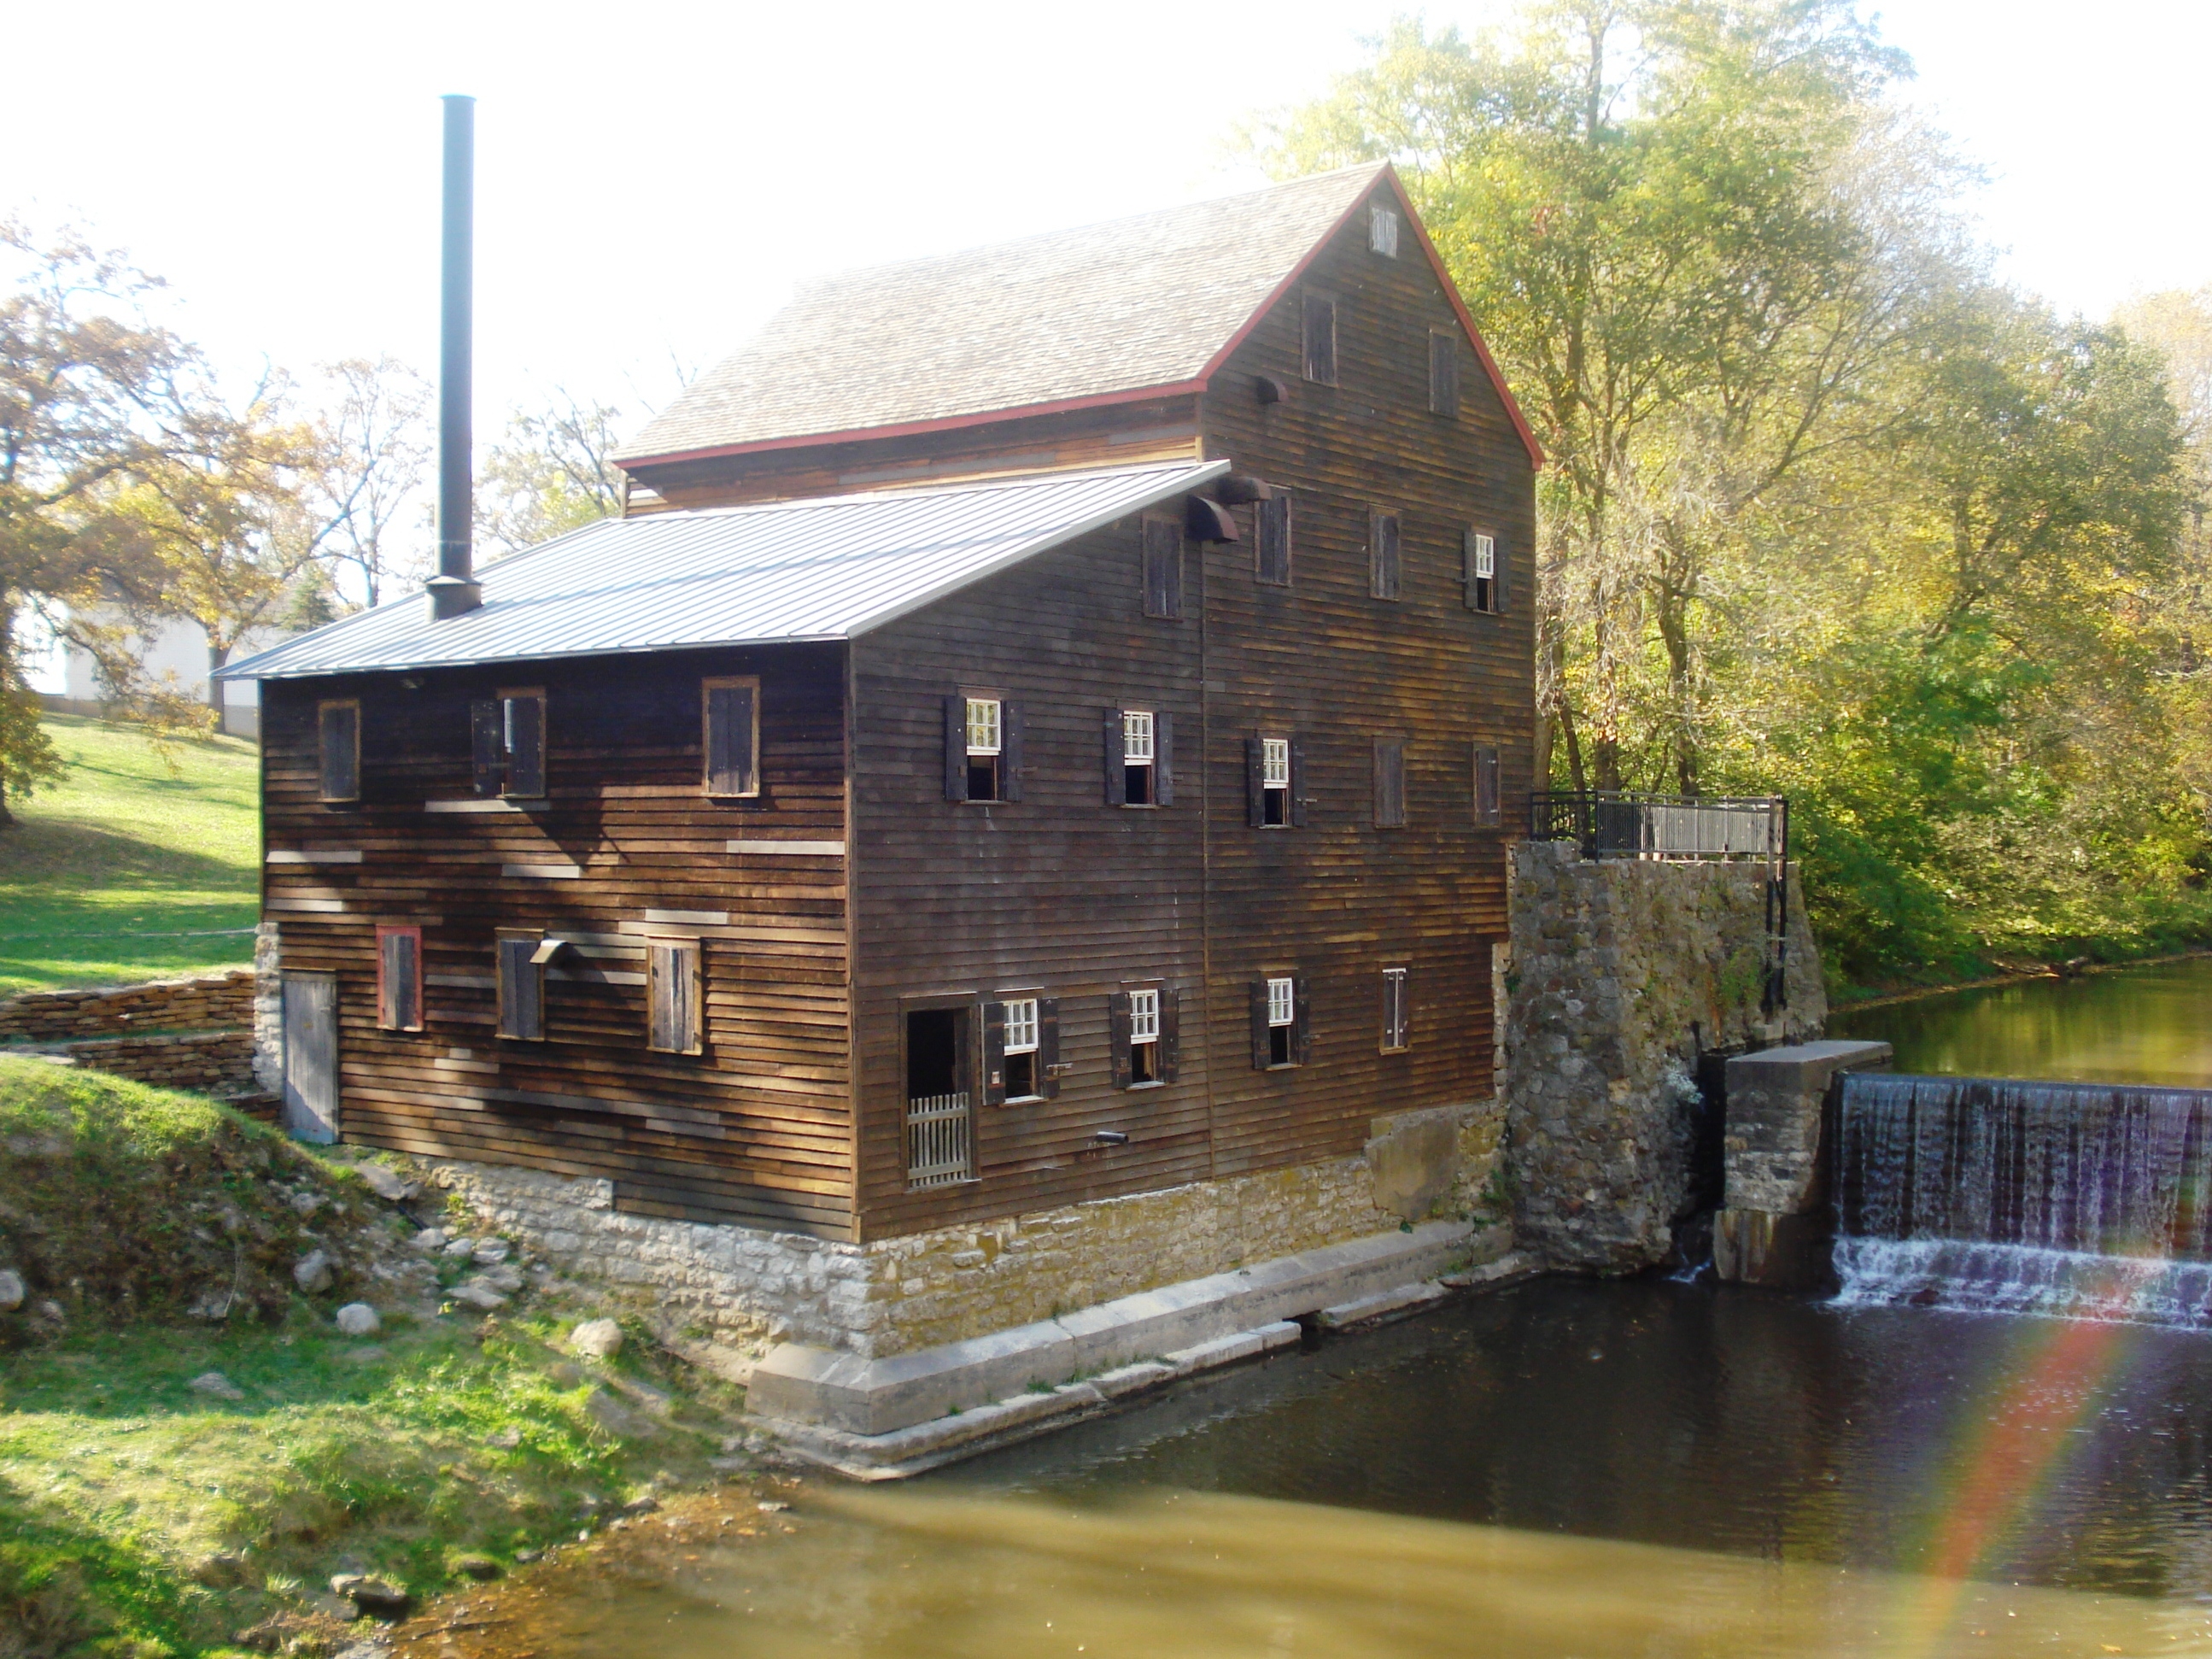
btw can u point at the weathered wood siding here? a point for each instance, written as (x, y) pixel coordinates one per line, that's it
(1064, 895)
(1113, 434)
(754, 1130)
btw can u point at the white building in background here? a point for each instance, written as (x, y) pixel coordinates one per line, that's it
(174, 653)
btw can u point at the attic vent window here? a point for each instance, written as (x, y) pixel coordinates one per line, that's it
(1382, 231)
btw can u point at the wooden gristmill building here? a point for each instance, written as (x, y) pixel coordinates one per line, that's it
(1045, 727)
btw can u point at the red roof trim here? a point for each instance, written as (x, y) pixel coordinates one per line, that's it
(946, 423)
(1443, 276)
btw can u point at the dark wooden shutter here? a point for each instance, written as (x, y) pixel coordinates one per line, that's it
(1383, 563)
(525, 746)
(1116, 760)
(521, 991)
(1443, 373)
(1497, 580)
(1117, 1036)
(1163, 759)
(1048, 1053)
(1255, 782)
(1272, 542)
(956, 748)
(1163, 567)
(1261, 1059)
(1297, 783)
(1390, 783)
(399, 979)
(1010, 750)
(340, 741)
(1487, 802)
(1319, 313)
(1302, 1028)
(732, 768)
(672, 990)
(1170, 1048)
(994, 1053)
(487, 745)
(1467, 568)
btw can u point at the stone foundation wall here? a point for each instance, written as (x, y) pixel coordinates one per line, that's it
(1623, 972)
(730, 1293)
(202, 1002)
(268, 1009)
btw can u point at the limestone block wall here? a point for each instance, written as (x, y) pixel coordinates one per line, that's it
(1623, 972)
(200, 1002)
(728, 1293)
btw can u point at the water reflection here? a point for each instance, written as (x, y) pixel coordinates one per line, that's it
(1565, 1468)
(2144, 1026)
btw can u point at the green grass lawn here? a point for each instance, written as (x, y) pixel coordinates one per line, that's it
(135, 866)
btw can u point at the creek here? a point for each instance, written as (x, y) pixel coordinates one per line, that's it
(1645, 1468)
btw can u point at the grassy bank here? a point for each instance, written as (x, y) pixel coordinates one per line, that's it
(145, 1510)
(131, 869)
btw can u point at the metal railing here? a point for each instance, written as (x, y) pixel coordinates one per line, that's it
(939, 1141)
(1616, 824)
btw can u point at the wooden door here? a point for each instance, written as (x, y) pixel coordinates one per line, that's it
(311, 1056)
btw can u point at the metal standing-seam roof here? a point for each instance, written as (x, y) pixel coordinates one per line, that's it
(1143, 301)
(821, 570)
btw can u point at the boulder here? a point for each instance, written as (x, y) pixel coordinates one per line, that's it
(217, 1385)
(11, 1290)
(313, 1272)
(476, 1294)
(490, 1252)
(479, 1567)
(376, 1598)
(596, 1339)
(431, 1240)
(359, 1319)
(386, 1182)
(458, 1248)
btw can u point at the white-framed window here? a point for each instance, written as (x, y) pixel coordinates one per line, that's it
(1022, 1025)
(1397, 1012)
(1136, 737)
(1382, 230)
(1486, 557)
(1282, 1002)
(1485, 589)
(1274, 762)
(1023, 1032)
(1271, 778)
(985, 727)
(1138, 745)
(1144, 1037)
(1279, 1022)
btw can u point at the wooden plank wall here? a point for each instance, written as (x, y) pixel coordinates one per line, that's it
(755, 1130)
(1062, 892)
(1115, 434)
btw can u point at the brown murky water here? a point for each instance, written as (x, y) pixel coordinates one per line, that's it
(1564, 1468)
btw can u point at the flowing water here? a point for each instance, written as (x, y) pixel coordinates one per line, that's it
(2149, 1025)
(1644, 1469)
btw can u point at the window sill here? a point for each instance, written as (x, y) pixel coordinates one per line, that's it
(1141, 806)
(1133, 1088)
(1025, 1100)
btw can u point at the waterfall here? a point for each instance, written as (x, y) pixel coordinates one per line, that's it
(2078, 1199)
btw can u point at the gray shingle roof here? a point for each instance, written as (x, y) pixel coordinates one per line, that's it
(822, 570)
(1133, 303)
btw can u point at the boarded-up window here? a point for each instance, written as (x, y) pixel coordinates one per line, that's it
(1484, 571)
(1272, 545)
(1382, 230)
(1282, 1024)
(399, 979)
(1139, 757)
(1488, 800)
(1385, 561)
(1397, 1012)
(1443, 372)
(1274, 782)
(1163, 567)
(508, 740)
(982, 747)
(672, 989)
(1318, 313)
(522, 988)
(1390, 783)
(338, 738)
(730, 713)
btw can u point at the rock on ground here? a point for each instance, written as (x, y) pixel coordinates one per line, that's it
(476, 1294)
(11, 1290)
(359, 1319)
(215, 1383)
(489, 1252)
(313, 1273)
(385, 1182)
(598, 1339)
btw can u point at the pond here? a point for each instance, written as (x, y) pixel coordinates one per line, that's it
(1564, 1467)
(2151, 1025)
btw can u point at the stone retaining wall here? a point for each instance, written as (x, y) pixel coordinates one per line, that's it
(1623, 973)
(203, 1002)
(730, 1293)
(208, 1062)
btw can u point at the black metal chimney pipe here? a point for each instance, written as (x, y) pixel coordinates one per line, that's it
(454, 590)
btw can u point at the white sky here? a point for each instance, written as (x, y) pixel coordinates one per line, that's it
(651, 177)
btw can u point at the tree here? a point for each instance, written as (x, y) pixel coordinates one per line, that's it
(377, 451)
(549, 474)
(91, 394)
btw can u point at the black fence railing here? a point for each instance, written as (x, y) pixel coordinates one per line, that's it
(1613, 825)
(1617, 825)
